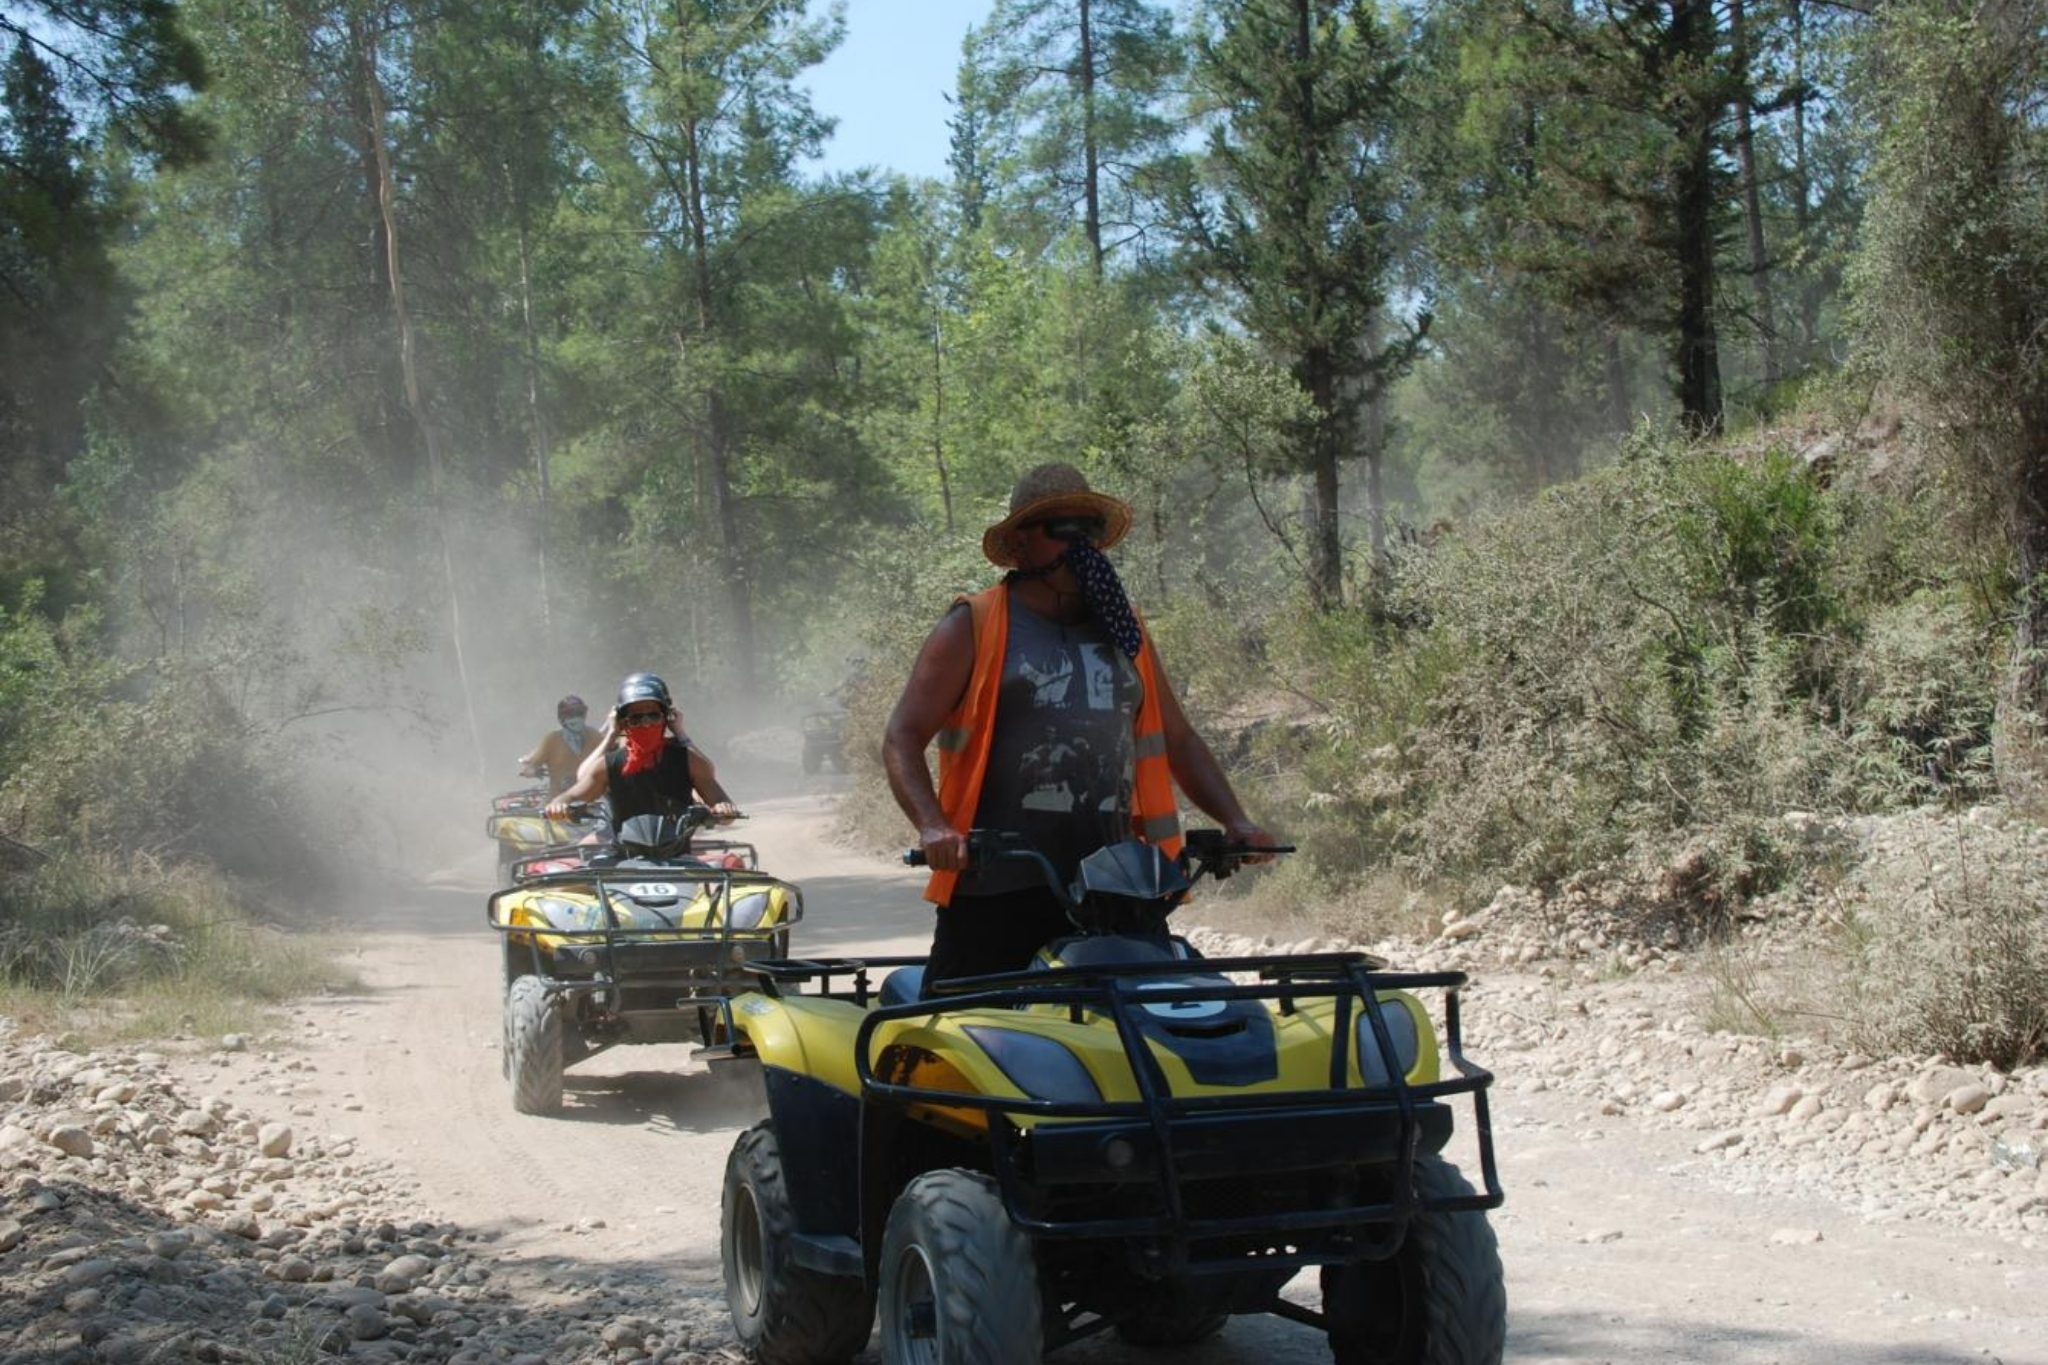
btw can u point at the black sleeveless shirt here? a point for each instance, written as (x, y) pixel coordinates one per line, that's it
(664, 789)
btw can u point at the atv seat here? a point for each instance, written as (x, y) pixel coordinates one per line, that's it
(902, 986)
(1109, 950)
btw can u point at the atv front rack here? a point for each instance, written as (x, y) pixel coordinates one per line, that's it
(641, 957)
(1069, 1179)
(699, 849)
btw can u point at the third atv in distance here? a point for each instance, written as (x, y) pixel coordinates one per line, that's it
(1125, 1137)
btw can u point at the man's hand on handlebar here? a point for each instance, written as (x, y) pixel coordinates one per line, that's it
(725, 812)
(944, 848)
(1248, 835)
(558, 809)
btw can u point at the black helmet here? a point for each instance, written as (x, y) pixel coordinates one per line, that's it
(641, 687)
(571, 705)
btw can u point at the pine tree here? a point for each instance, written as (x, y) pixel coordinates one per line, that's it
(1295, 221)
(1077, 88)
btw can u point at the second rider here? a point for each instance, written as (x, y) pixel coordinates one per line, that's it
(654, 771)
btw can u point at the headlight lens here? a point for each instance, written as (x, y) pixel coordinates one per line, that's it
(1037, 1066)
(1400, 1028)
(567, 914)
(749, 910)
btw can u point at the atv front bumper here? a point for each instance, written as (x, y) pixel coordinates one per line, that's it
(1214, 1182)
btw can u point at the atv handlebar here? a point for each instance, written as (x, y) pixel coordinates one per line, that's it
(1204, 848)
(696, 815)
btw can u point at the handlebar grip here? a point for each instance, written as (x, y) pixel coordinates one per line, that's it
(914, 857)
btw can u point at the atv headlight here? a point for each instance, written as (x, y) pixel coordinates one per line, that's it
(1372, 1064)
(1037, 1066)
(566, 914)
(749, 910)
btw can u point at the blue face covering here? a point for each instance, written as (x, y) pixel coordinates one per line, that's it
(1103, 590)
(572, 731)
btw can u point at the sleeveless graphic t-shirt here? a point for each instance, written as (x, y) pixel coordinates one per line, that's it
(1060, 761)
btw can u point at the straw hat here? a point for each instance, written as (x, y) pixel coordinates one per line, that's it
(1051, 490)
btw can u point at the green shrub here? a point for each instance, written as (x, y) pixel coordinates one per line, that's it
(1645, 668)
(100, 754)
(1918, 695)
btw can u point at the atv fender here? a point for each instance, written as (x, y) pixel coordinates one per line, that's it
(805, 1046)
(804, 1036)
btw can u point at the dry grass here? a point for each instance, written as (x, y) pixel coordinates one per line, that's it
(99, 950)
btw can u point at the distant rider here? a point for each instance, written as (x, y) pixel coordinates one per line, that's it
(561, 750)
(654, 770)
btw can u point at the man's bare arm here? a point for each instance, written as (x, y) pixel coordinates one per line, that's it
(1198, 773)
(937, 681)
(704, 777)
(589, 785)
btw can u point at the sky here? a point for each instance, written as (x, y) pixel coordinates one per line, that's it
(888, 81)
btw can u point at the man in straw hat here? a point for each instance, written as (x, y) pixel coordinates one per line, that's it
(1053, 718)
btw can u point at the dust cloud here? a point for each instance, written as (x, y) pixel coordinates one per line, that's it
(369, 719)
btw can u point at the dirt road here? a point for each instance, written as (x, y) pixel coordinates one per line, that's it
(1620, 1242)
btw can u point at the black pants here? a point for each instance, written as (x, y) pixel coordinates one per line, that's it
(981, 935)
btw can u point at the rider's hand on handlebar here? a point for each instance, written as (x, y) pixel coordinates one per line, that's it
(944, 848)
(1249, 835)
(557, 809)
(725, 812)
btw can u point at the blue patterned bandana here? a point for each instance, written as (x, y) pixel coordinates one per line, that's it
(1103, 590)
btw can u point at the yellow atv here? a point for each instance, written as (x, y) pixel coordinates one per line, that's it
(646, 943)
(1125, 1137)
(523, 833)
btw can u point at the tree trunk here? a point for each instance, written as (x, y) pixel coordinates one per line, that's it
(1325, 547)
(717, 439)
(1752, 197)
(1091, 187)
(408, 364)
(1621, 407)
(386, 435)
(1810, 292)
(1698, 358)
(939, 416)
(541, 444)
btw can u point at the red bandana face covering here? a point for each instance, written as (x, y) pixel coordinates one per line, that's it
(644, 744)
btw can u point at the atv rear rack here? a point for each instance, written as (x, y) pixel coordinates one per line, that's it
(1174, 1144)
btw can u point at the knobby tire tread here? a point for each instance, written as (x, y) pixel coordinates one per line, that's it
(985, 1275)
(1463, 1295)
(533, 1044)
(806, 1317)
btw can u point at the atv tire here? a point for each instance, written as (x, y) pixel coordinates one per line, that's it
(1441, 1300)
(959, 1282)
(782, 1313)
(533, 1046)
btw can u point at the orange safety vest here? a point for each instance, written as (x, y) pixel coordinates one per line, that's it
(969, 731)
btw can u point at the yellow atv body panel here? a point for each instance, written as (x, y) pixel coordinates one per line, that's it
(814, 1037)
(685, 904)
(528, 832)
